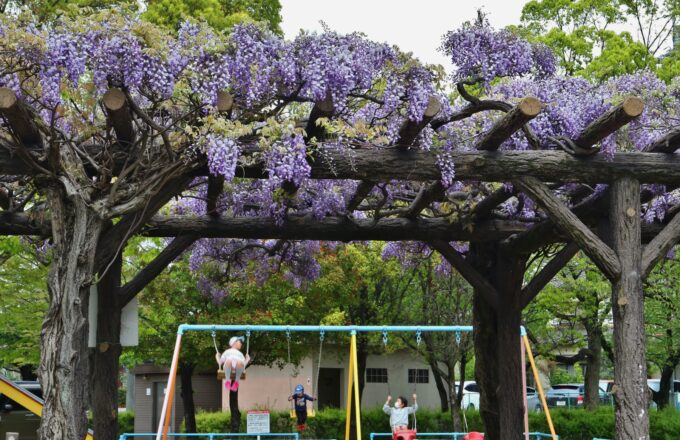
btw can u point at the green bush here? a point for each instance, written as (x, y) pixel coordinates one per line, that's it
(126, 422)
(569, 424)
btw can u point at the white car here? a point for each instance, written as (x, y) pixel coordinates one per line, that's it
(471, 397)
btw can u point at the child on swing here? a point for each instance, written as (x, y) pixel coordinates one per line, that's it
(301, 400)
(399, 414)
(233, 359)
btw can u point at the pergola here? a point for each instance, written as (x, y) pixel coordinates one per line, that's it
(87, 182)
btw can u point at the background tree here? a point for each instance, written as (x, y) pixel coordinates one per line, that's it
(23, 302)
(662, 320)
(582, 35)
(220, 14)
(440, 296)
(573, 312)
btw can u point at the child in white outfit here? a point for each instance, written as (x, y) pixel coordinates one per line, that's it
(399, 414)
(233, 359)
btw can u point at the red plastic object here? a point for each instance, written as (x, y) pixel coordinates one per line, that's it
(474, 436)
(404, 434)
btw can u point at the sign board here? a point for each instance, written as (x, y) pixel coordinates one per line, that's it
(129, 321)
(258, 422)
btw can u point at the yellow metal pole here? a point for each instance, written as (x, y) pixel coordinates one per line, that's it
(357, 398)
(539, 387)
(350, 383)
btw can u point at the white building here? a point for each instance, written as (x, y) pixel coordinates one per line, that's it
(397, 372)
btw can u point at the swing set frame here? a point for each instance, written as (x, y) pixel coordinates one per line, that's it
(353, 368)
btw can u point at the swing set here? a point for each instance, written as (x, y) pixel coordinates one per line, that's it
(353, 370)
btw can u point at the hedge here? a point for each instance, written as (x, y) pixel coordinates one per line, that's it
(126, 422)
(570, 424)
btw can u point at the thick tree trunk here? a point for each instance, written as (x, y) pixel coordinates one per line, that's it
(186, 371)
(235, 412)
(498, 366)
(593, 363)
(64, 362)
(106, 354)
(630, 368)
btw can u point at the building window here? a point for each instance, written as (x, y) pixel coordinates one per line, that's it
(418, 375)
(376, 375)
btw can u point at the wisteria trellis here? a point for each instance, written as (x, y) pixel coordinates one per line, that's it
(121, 117)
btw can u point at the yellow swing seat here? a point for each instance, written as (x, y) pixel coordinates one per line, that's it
(310, 413)
(221, 375)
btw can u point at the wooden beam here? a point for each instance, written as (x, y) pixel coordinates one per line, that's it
(119, 116)
(363, 190)
(427, 195)
(225, 102)
(610, 121)
(547, 273)
(570, 224)
(485, 206)
(467, 271)
(526, 110)
(321, 109)
(410, 129)
(19, 118)
(660, 245)
(296, 227)
(668, 143)
(215, 187)
(169, 254)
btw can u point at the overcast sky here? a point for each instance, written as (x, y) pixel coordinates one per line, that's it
(414, 26)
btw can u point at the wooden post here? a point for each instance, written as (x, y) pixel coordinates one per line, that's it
(630, 368)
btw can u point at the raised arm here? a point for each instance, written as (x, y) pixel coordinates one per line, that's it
(414, 408)
(387, 409)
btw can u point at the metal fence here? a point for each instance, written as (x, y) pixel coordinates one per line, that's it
(213, 435)
(456, 435)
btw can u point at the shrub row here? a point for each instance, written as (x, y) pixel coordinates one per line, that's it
(330, 423)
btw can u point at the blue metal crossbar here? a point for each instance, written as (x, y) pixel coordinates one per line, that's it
(452, 435)
(458, 435)
(325, 328)
(214, 435)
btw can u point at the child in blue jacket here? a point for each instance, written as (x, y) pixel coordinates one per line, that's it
(301, 400)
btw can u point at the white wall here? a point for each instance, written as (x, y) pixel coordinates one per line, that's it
(269, 387)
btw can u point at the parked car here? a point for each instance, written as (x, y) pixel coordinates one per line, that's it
(533, 401)
(471, 397)
(571, 395)
(16, 418)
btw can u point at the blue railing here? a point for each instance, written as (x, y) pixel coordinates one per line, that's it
(457, 435)
(213, 435)
(325, 328)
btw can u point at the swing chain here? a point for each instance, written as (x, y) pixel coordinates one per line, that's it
(247, 342)
(418, 338)
(322, 333)
(384, 338)
(214, 338)
(458, 338)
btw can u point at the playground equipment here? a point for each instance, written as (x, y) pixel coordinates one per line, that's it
(26, 399)
(353, 382)
(213, 436)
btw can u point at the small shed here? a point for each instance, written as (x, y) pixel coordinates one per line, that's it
(150, 382)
